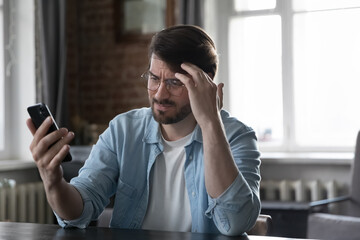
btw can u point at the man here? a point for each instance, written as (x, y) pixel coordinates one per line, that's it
(181, 165)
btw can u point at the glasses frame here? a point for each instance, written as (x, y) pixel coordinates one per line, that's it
(168, 84)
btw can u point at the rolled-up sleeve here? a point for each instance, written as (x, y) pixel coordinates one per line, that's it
(236, 210)
(96, 182)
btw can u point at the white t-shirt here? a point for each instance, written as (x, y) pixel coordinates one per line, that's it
(169, 206)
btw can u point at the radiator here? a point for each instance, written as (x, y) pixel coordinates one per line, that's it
(297, 190)
(24, 203)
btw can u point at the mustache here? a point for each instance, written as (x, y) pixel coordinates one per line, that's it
(164, 101)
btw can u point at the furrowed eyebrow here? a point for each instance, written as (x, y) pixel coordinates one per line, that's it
(168, 79)
(153, 75)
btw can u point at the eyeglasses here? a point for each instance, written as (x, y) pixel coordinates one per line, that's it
(174, 86)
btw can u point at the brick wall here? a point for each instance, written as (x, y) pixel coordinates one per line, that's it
(102, 73)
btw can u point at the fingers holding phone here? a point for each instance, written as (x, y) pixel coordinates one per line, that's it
(50, 144)
(52, 147)
(31, 126)
(43, 124)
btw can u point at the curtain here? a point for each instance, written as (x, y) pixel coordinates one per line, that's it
(192, 12)
(51, 57)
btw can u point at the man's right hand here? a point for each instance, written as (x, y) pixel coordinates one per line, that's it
(48, 151)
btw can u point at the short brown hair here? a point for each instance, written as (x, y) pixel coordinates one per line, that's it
(185, 43)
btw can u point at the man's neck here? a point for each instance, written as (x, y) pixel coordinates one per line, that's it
(175, 131)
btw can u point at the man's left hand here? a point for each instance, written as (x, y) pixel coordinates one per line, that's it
(206, 98)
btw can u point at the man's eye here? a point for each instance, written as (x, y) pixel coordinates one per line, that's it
(175, 82)
(153, 78)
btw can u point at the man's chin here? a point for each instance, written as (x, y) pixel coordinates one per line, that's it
(162, 118)
(168, 118)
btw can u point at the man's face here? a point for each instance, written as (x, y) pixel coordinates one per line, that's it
(167, 108)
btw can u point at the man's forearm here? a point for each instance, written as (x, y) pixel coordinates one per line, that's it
(220, 168)
(65, 200)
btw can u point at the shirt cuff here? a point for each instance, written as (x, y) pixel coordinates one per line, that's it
(225, 210)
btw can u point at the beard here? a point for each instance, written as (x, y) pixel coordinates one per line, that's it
(160, 117)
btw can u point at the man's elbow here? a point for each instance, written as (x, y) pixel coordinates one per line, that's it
(240, 222)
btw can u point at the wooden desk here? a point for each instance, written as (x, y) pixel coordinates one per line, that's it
(29, 231)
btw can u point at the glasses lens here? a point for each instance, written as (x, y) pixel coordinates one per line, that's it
(174, 86)
(145, 78)
(153, 85)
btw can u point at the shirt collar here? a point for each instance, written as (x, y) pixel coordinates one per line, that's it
(152, 134)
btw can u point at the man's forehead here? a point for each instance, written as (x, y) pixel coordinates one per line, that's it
(157, 64)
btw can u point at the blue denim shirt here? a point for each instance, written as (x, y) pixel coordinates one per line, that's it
(121, 161)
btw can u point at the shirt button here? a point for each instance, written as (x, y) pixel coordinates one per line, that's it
(190, 157)
(193, 194)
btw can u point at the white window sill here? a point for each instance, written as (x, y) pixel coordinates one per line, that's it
(323, 158)
(9, 165)
(266, 157)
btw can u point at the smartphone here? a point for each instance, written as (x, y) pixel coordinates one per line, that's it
(38, 113)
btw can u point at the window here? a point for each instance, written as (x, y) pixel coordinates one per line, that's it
(293, 71)
(17, 77)
(326, 73)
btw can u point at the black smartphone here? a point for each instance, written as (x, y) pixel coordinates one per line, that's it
(38, 113)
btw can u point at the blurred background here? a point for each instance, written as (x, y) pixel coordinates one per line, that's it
(290, 68)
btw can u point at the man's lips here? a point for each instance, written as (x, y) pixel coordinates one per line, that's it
(162, 107)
